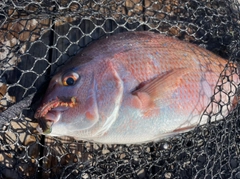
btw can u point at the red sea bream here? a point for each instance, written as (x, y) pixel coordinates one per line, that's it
(133, 87)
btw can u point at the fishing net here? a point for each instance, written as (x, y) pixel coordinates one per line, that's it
(38, 36)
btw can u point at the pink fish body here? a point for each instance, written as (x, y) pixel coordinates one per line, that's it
(132, 87)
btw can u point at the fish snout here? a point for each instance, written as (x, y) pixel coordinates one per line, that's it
(53, 85)
(51, 112)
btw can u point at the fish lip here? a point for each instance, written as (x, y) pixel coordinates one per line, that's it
(45, 124)
(55, 114)
(55, 104)
(46, 107)
(51, 112)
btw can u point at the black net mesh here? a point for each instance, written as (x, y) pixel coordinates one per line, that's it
(38, 36)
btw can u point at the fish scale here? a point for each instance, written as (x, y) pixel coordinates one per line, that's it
(136, 87)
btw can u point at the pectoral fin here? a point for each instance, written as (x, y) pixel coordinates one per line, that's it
(160, 88)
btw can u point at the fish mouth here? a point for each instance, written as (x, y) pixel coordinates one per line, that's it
(51, 112)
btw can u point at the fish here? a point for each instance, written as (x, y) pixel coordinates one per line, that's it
(136, 87)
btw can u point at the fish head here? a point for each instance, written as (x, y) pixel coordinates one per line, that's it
(81, 98)
(70, 101)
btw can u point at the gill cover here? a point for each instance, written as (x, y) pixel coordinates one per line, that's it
(109, 98)
(101, 107)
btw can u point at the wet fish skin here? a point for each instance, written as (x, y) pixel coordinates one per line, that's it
(133, 87)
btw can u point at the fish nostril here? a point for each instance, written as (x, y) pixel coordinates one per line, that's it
(53, 84)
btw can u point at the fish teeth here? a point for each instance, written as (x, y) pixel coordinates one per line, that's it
(73, 100)
(46, 107)
(42, 111)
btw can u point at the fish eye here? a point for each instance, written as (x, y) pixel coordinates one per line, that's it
(69, 79)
